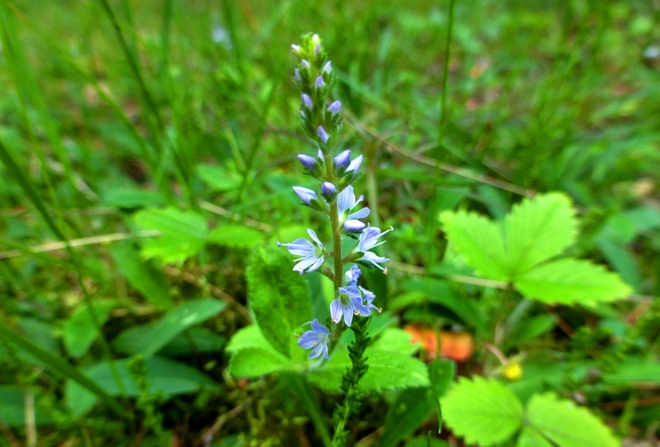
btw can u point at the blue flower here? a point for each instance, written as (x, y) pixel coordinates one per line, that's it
(346, 202)
(307, 101)
(335, 107)
(316, 340)
(342, 160)
(348, 303)
(323, 135)
(311, 256)
(369, 239)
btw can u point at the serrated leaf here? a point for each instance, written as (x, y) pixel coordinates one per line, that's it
(142, 275)
(482, 411)
(279, 297)
(176, 321)
(183, 233)
(538, 229)
(479, 240)
(256, 362)
(236, 236)
(566, 424)
(163, 375)
(571, 281)
(79, 331)
(387, 371)
(530, 437)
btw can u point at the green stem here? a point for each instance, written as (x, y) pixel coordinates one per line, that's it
(445, 72)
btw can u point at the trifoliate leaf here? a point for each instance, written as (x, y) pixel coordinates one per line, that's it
(566, 424)
(571, 281)
(480, 242)
(236, 236)
(530, 437)
(279, 297)
(182, 233)
(538, 229)
(482, 411)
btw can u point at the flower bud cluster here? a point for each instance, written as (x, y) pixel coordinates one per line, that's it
(335, 197)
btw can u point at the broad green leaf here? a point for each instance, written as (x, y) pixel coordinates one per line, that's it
(236, 236)
(79, 331)
(219, 178)
(529, 329)
(131, 198)
(396, 340)
(196, 339)
(249, 337)
(183, 233)
(482, 411)
(635, 371)
(480, 242)
(566, 424)
(406, 413)
(622, 261)
(441, 374)
(279, 297)
(530, 437)
(176, 321)
(12, 407)
(142, 275)
(387, 371)
(256, 362)
(571, 281)
(163, 375)
(538, 229)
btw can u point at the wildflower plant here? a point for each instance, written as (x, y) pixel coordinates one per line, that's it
(287, 337)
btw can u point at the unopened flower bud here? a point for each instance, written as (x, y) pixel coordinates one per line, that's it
(307, 101)
(323, 135)
(319, 82)
(355, 165)
(304, 63)
(328, 190)
(305, 194)
(334, 108)
(354, 226)
(327, 68)
(296, 74)
(307, 161)
(296, 49)
(342, 160)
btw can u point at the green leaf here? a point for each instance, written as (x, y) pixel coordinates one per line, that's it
(163, 375)
(566, 424)
(441, 374)
(396, 340)
(483, 411)
(146, 279)
(406, 413)
(193, 340)
(529, 329)
(538, 229)
(530, 437)
(387, 371)
(183, 233)
(249, 337)
(219, 178)
(131, 198)
(256, 362)
(236, 236)
(480, 242)
(79, 331)
(279, 297)
(571, 281)
(176, 321)
(635, 371)
(307, 398)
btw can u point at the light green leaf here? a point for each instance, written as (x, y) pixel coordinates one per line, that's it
(566, 424)
(236, 236)
(142, 275)
(248, 337)
(387, 371)
(635, 370)
(163, 375)
(530, 437)
(483, 411)
(218, 178)
(279, 297)
(538, 229)
(196, 339)
(79, 331)
(183, 233)
(396, 340)
(255, 362)
(480, 242)
(176, 321)
(571, 281)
